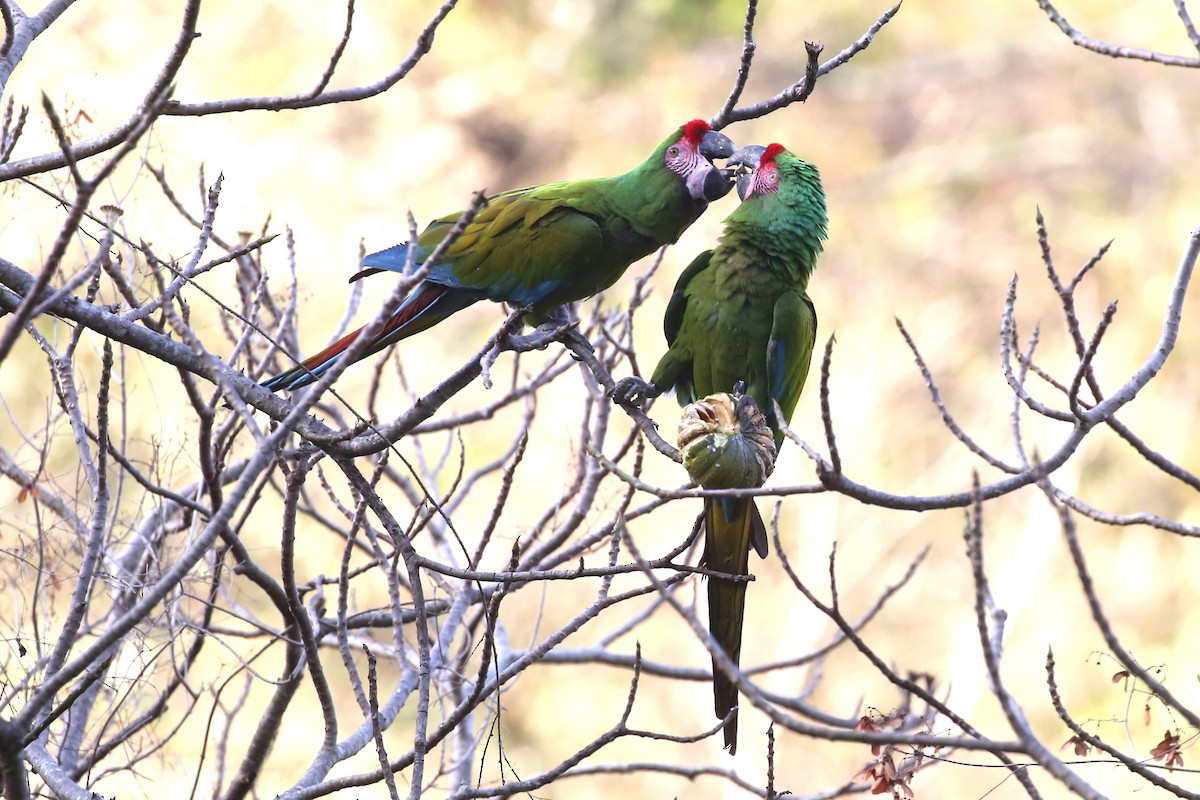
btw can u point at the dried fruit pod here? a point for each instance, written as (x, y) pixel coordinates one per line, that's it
(726, 442)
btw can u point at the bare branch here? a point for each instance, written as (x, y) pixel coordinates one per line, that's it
(1188, 25)
(743, 73)
(1117, 51)
(947, 419)
(332, 67)
(799, 91)
(422, 46)
(151, 106)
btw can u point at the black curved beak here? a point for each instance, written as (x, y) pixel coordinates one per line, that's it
(744, 162)
(743, 184)
(716, 145)
(748, 156)
(717, 184)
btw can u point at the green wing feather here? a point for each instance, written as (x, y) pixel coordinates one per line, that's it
(673, 320)
(789, 353)
(675, 368)
(522, 247)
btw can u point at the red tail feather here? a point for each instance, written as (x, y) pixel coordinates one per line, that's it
(304, 373)
(425, 296)
(335, 349)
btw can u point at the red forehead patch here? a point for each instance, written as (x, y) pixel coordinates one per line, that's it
(773, 149)
(695, 130)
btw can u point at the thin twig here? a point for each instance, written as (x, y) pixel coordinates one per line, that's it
(1112, 50)
(743, 73)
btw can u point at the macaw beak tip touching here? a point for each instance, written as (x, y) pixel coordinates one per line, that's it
(748, 156)
(743, 163)
(717, 181)
(743, 184)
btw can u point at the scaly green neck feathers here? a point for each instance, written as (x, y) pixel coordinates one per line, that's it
(654, 199)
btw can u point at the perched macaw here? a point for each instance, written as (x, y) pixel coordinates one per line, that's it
(740, 312)
(549, 245)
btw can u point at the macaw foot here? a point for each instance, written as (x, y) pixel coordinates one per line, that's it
(632, 391)
(576, 341)
(556, 318)
(554, 326)
(744, 400)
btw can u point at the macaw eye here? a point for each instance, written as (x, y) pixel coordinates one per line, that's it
(773, 177)
(673, 151)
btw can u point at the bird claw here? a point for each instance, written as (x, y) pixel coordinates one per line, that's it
(573, 335)
(632, 391)
(742, 399)
(558, 317)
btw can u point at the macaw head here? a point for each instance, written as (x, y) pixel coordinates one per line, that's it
(764, 170)
(691, 158)
(757, 171)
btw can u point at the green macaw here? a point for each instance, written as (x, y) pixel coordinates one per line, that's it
(740, 313)
(545, 246)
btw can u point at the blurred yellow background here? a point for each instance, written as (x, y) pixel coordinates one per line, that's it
(937, 146)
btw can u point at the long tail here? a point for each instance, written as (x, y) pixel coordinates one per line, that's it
(429, 304)
(730, 526)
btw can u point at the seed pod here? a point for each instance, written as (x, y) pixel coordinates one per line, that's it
(726, 442)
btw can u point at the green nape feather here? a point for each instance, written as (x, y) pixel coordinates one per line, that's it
(741, 312)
